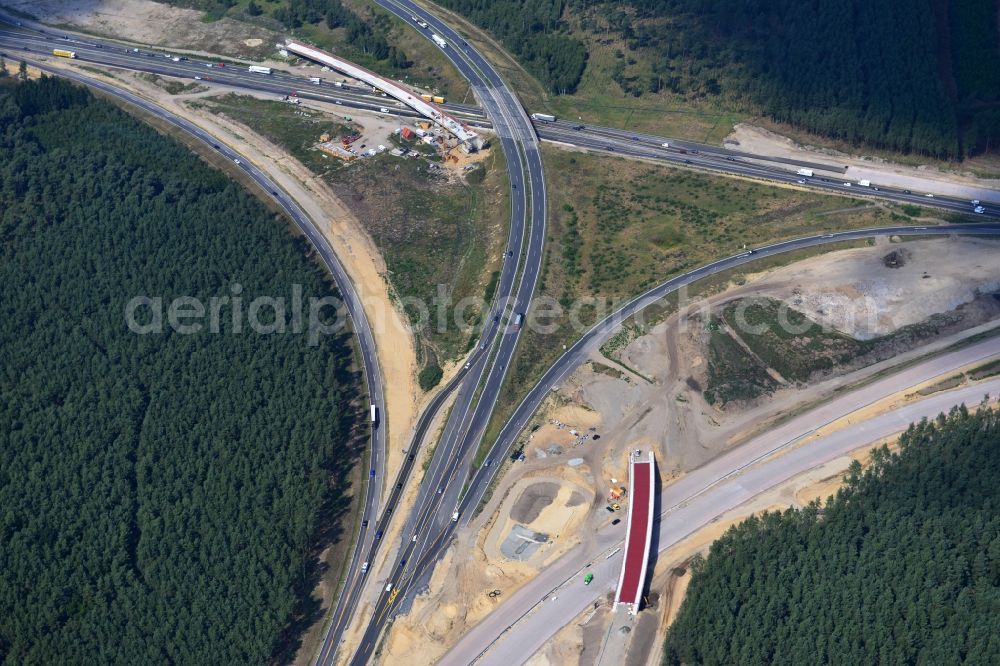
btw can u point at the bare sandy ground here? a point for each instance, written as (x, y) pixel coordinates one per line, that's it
(667, 414)
(918, 179)
(855, 292)
(148, 22)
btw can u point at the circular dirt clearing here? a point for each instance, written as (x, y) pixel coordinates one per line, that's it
(535, 497)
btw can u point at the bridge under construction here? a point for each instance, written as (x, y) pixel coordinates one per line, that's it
(460, 130)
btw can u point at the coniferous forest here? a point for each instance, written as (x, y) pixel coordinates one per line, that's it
(907, 75)
(901, 567)
(163, 496)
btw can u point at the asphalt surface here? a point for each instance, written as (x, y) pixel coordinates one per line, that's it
(429, 525)
(477, 383)
(828, 177)
(580, 351)
(372, 370)
(480, 381)
(527, 619)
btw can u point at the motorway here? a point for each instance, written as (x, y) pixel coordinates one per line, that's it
(479, 382)
(581, 350)
(527, 619)
(428, 528)
(829, 177)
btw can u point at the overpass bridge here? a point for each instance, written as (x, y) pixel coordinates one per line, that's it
(395, 90)
(638, 536)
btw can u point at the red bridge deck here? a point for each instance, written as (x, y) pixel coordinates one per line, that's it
(639, 532)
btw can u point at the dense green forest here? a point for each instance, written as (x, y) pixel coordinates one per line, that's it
(901, 567)
(918, 76)
(534, 31)
(163, 497)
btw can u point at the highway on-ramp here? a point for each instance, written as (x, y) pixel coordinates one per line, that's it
(429, 524)
(481, 380)
(522, 624)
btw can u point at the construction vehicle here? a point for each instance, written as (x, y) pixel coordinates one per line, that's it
(588, 579)
(257, 69)
(544, 117)
(62, 53)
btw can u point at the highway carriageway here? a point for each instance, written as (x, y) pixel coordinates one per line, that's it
(282, 83)
(594, 138)
(598, 139)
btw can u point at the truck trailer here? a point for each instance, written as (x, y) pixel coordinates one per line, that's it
(805, 172)
(315, 79)
(544, 117)
(438, 40)
(62, 53)
(257, 69)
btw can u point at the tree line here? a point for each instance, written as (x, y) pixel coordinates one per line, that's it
(905, 76)
(163, 497)
(534, 31)
(902, 566)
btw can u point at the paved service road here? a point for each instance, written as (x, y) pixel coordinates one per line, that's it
(522, 624)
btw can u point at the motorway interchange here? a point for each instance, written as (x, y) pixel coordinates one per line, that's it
(451, 486)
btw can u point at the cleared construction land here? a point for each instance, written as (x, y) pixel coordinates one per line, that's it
(652, 398)
(617, 228)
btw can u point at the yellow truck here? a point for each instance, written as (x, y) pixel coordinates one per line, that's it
(438, 100)
(426, 98)
(63, 53)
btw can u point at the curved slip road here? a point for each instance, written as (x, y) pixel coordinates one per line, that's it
(522, 624)
(480, 380)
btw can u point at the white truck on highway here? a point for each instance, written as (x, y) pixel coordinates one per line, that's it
(544, 117)
(257, 69)
(808, 173)
(865, 183)
(315, 79)
(437, 40)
